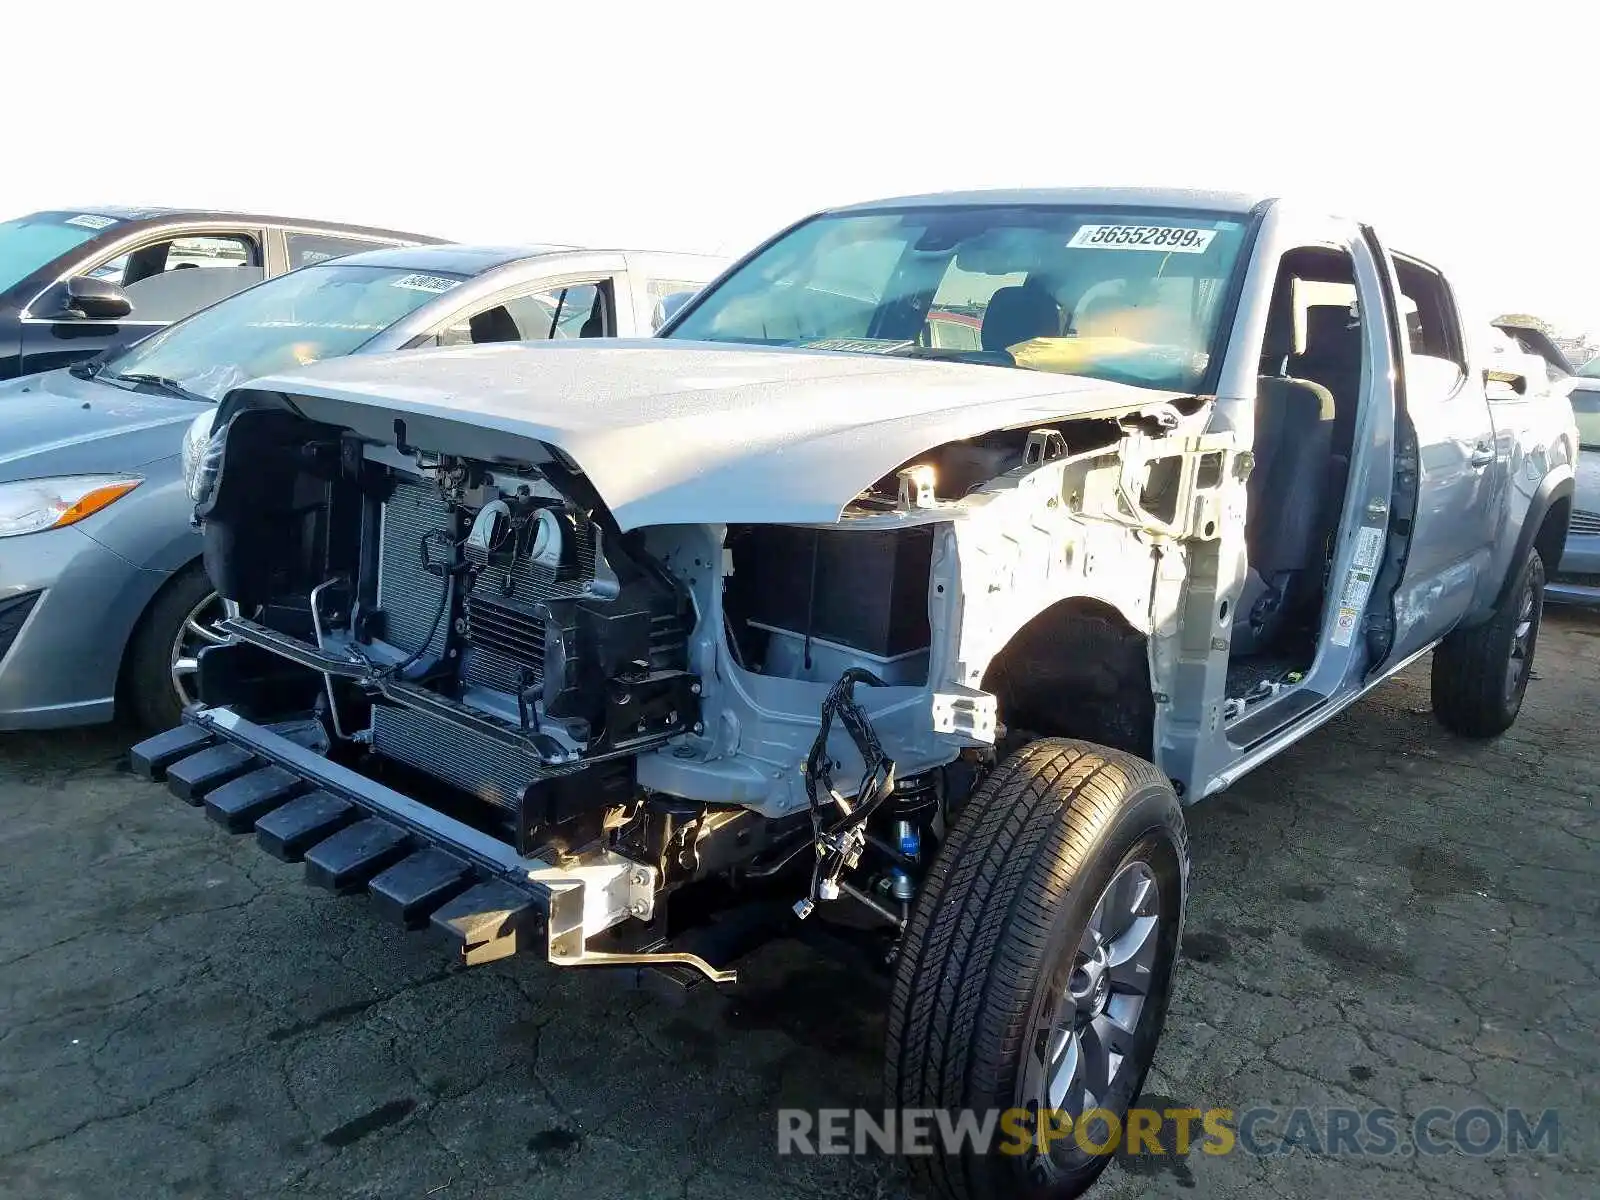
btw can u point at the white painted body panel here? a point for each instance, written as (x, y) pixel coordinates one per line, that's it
(677, 433)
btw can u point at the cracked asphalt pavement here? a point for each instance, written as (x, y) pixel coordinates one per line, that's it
(1384, 917)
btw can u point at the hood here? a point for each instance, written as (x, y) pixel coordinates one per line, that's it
(58, 424)
(687, 433)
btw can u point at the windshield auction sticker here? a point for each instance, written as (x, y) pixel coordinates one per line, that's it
(425, 283)
(1168, 239)
(91, 221)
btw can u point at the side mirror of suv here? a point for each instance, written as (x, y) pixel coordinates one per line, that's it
(85, 298)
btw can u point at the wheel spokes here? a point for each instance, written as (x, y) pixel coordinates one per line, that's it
(1125, 901)
(1087, 1031)
(1132, 957)
(1061, 1072)
(195, 634)
(204, 632)
(1094, 1064)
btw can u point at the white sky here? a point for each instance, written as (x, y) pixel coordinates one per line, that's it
(705, 125)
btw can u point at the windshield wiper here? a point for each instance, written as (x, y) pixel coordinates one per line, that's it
(87, 368)
(985, 358)
(170, 386)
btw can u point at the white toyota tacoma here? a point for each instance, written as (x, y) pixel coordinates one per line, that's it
(611, 651)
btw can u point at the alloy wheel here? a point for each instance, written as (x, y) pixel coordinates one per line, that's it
(1081, 1043)
(1522, 639)
(196, 633)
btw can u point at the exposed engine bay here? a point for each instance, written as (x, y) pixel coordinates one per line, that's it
(482, 635)
(665, 707)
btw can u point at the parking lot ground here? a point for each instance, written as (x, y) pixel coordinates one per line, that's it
(1385, 917)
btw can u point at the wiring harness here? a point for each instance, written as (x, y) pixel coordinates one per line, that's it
(839, 845)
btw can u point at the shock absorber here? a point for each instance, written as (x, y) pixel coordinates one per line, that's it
(909, 810)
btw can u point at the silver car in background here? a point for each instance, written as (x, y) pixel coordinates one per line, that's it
(1578, 579)
(104, 602)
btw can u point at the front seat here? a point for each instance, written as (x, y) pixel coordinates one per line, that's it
(1332, 357)
(493, 325)
(1019, 314)
(1286, 493)
(595, 325)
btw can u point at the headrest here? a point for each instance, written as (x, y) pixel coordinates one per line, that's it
(1019, 314)
(493, 325)
(1277, 343)
(1330, 328)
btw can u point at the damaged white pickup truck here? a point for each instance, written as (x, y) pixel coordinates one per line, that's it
(597, 649)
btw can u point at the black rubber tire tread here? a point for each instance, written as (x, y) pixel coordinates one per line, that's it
(146, 683)
(1469, 666)
(978, 934)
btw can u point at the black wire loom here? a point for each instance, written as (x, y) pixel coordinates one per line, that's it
(840, 845)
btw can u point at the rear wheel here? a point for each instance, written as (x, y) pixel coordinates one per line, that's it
(159, 673)
(1480, 675)
(1037, 966)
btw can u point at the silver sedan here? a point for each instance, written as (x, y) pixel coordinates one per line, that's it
(1577, 580)
(104, 602)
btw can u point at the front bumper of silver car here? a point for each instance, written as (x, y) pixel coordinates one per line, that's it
(1577, 576)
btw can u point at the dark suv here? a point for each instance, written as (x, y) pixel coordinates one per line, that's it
(73, 282)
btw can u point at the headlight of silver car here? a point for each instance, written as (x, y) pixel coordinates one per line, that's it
(32, 505)
(202, 456)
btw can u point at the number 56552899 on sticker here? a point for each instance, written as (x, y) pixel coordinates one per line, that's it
(1168, 239)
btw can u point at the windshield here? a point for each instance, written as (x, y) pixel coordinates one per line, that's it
(317, 312)
(1590, 369)
(30, 242)
(1128, 295)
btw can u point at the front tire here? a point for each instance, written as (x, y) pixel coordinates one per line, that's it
(1037, 965)
(158, 674)
(1480, 675)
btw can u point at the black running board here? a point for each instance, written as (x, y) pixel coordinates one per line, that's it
(421, 868)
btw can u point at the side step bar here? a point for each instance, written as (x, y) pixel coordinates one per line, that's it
(421, 868)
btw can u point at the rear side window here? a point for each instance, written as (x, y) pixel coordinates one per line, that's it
(1433, 327)
(576, 310)
(166, 281)
(307, 248)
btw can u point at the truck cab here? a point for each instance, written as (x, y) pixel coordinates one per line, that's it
(1397, 480)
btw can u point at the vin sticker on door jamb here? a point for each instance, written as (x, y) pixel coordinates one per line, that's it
(1357, 587)
(1369, 545)
(1166, 239)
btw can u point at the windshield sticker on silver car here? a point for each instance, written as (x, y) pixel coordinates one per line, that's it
(91, 221)
(425, 283)
(1169, 239)
(857, 345)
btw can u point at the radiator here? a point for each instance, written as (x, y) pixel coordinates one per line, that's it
(505, 644)
(470, 761)
(408, 595)
(502, 642)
